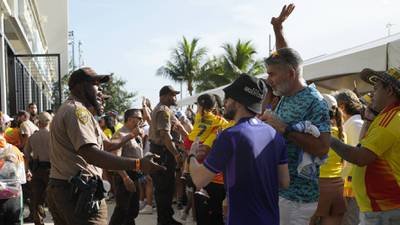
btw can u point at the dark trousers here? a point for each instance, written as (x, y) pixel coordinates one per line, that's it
(164, 184)
(62, 208)
(209, 210)
(127, 204)
(40, 179)
(27, 196)
(11, 211)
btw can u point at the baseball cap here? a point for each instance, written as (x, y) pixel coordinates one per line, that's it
(331, 101)
(392, 77)
(44, 117)
(248, 91)
(86, 74)
(5, 118)
(168, 89)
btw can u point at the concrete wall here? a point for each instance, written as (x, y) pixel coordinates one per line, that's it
(54, 20)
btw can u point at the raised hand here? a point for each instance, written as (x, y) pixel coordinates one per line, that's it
(278, 21)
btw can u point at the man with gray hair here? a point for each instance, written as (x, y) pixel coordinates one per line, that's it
(299, 102)
(37, 151)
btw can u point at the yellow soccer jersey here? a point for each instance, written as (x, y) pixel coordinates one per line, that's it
(334, 163)
(206, 124)
(377, 185)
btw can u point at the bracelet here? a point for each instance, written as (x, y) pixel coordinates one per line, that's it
(137, 165)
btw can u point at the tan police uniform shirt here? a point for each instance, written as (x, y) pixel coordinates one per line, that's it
(130, 149)
(28, 128)
(72, 127)
(39, 145)
(162, 118)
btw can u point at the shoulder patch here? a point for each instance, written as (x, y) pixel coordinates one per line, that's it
(82, 114)
(165, 114)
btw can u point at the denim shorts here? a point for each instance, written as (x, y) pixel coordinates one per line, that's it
(390, 217)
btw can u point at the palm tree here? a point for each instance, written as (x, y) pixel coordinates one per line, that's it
(211, 75)
(237, 59)
(185, 63)
(240, 59)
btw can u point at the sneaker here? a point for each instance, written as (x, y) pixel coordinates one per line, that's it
(142, 204)
(148, 209)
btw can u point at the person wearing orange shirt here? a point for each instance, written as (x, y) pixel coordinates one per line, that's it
(12, 175)
(376, 174)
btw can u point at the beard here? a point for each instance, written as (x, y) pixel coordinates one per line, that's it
(281, 90)
(93, 99)
(173, 103)
(229, 114)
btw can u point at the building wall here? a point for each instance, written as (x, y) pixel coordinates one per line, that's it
(54, 20)
(32, 27)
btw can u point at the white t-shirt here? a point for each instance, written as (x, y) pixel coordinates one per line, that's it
(146, 146)
(352, 128)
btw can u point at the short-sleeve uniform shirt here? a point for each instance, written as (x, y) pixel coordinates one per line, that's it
(131, 148)
(162, 118)
(72, 127)
(306, 105)
(39, 145)
(377, 185)
(250, 163)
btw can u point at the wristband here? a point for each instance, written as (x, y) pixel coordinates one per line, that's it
(288, 129)
(137, 165)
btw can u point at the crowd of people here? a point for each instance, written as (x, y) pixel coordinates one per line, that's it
(273, 151)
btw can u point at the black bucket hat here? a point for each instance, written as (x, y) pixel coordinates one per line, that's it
(248, 91)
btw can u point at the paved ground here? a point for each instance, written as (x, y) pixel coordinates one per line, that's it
(141, 220)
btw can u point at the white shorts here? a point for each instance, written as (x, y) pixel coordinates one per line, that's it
(295, 213)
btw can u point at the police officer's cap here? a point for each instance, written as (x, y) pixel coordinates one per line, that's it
(86, 74)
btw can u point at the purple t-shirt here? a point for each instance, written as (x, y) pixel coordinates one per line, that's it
(249, 154)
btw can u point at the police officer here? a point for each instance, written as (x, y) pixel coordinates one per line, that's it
(76, 154)
(127, 189)
(39, 146)
(162, 120)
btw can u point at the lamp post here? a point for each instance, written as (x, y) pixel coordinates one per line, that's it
(180, 78)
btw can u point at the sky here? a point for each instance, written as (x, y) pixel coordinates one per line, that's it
(133, 38)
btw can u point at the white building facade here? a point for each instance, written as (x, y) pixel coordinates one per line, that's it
(33, 52)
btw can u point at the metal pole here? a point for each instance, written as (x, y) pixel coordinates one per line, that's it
(71, 34)
(59, 79)
(181, 89)
(269, 45)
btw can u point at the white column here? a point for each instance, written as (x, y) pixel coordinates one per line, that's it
(3, 74)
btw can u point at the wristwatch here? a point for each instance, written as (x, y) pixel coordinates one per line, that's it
(288, 129)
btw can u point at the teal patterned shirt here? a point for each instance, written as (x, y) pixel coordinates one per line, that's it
(306, 105)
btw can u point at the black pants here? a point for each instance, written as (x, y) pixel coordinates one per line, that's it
(164, 184)
(40, 179)
(11, 211)
(127, 203)
(209, 210)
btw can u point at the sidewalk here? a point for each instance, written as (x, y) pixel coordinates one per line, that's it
(142, 219)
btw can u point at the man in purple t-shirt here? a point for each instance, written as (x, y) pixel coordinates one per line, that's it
(251, 154)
